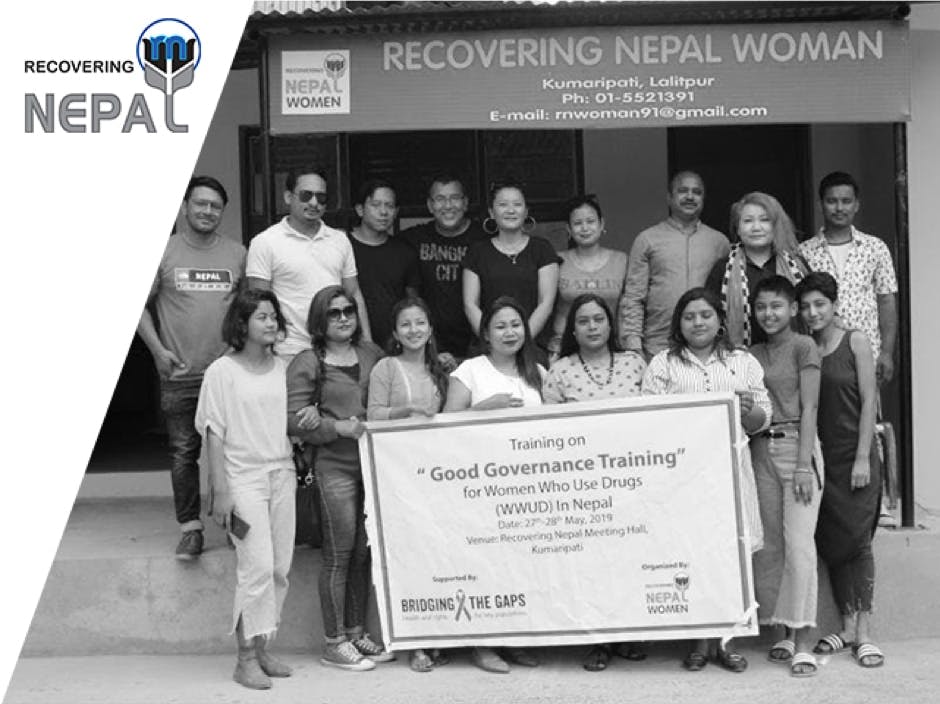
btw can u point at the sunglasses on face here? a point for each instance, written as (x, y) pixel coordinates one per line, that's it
(336, 314)
(307, 196)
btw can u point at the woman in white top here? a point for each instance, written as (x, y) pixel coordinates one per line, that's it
(242, 416)
(701, 359)
(410, 382)
(506, 376)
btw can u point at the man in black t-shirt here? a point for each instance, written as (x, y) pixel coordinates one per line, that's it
(442, 244)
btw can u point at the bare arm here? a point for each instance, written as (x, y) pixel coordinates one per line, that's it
(548, 289)
(471, 299)
(804, 478)
(868, 390)
(165, 360)
(458, 396)
(351, 287)
(888, 326)
(222, 503)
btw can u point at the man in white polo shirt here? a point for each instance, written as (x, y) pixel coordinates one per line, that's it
(300, 255)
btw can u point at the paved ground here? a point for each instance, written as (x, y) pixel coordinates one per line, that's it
(911, 675)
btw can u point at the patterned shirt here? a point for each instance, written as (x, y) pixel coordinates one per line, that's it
(868, 273)
(567, 381)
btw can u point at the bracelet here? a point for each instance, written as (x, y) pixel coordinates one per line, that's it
(803, 470)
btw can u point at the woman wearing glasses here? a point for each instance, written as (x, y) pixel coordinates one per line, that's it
(334, 377)
(512, 263)
(587, 266)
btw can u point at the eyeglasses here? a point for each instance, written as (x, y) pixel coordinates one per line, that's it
(441, 201)
(307, 196)
(334, 315)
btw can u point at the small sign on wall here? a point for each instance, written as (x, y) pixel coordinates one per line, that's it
(315, 82)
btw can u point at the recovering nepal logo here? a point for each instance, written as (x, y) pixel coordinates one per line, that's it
(168, 51)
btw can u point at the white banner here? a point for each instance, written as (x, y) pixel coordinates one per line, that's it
(591, 522)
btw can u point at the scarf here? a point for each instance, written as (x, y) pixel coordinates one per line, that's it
(736, 295)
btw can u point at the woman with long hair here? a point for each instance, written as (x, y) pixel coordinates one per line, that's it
(333, 376)
(410, 382)
(512, 263)
(701, 359)
(591, 366)
(587, 266)
(505, 376)
(851, 499)
(765, 245)
(241, 414)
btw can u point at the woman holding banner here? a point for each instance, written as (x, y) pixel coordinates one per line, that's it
(700, 359)
(506, 376)
(410, 382)
(590, 367)
(334, 375)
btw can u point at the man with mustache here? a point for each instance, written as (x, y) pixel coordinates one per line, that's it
(198, 273)
(666, 260)
(300, 255)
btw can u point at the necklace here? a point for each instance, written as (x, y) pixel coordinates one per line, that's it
(610, 371)
(511, 252)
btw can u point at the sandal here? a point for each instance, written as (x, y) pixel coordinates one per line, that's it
(439, 658)
(734, 662)
(520, 656)
(597, 659)
(803, 665)
(419, 661)
(695, 661)
(832, 644)
(782, 651)
(868, 655)
(630, 651)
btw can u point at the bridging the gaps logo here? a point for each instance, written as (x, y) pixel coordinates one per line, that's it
(168, 52)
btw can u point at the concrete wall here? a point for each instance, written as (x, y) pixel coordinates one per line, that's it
(924, 179)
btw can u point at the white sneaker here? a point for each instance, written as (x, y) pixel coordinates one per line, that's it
(345, 656)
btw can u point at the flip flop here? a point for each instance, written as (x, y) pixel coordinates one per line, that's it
(597, 659)
(782, 651)
(803, 665)
(868, 655)
(419, 661)
(439, 658)
(832, 644)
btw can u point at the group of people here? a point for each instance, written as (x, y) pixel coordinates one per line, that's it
(323, 329)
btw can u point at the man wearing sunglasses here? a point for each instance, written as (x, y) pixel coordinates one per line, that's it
(191, 291)
(300, 255)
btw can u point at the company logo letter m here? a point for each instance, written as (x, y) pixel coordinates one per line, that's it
(169, 62)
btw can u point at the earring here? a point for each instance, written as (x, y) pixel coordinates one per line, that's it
(531, 227)
(721, 331)
(487, 230)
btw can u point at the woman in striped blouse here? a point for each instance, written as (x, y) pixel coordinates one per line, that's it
(701, 359)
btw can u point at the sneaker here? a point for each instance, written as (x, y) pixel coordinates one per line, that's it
(345, 656)
(372, 650)
(190, 545)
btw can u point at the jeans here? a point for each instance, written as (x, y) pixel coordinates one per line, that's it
(264, 500)
(785, 580)
(178, 402)
(344, 578)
